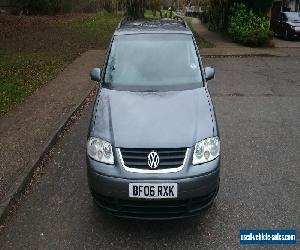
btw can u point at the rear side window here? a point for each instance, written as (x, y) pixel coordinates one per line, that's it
(153, 62)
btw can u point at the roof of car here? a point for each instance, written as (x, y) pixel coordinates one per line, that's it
(164, 25)
(288, 12)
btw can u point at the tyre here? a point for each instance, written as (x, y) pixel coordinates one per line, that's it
(286, 35)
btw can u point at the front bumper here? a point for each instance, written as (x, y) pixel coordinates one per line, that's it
(295, 33)
(197, 189)
(194, 195)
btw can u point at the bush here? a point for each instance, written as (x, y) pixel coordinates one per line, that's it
(247, 27)
(216, 14)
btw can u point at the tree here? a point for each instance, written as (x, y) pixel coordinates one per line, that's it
(38, 7)
(155, 7)
(217, 13)
(260, 6)
(172, 8)
(136, 8)
(297, 7)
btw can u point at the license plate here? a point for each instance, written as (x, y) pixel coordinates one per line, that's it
(153, 190)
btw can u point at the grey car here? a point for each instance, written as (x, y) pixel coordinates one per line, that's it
(153, 147)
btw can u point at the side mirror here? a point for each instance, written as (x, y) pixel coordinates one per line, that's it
(95, 74)
(209, 73)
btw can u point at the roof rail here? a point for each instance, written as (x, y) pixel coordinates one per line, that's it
(181, 19)
(178, 18)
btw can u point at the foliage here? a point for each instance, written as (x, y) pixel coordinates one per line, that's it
(259, 6)
(155, 7)
(136, 8)
(219, 14)
(247, 27)
(37, 7)
(217, 11)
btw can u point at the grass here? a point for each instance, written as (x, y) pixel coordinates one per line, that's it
(201, 42)
(21, 74)
(30, 57)
(149, 14)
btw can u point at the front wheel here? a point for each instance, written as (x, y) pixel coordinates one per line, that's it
(286, 35)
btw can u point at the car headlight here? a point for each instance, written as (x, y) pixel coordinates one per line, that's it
(100, 150)
(206, 150)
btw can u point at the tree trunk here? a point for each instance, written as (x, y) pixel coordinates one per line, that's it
(136, 8)
(297, 7)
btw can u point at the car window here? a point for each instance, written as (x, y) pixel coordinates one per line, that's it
(153, 62)
(292, 16)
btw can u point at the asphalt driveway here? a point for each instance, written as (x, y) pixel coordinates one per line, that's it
(281, 43)
(257, 102)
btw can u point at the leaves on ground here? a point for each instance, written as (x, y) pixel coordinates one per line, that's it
(34, 49)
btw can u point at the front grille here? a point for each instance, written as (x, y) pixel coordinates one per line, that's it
(154, 208)
(168, 157)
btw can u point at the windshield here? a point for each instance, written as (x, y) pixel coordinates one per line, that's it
(293, 16)
(153, 62)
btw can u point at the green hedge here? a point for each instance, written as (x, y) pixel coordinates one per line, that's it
(247, 27)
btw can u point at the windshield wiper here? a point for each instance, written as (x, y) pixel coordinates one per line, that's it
(150, 90)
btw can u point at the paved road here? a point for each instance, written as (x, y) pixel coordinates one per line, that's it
(258, 102)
